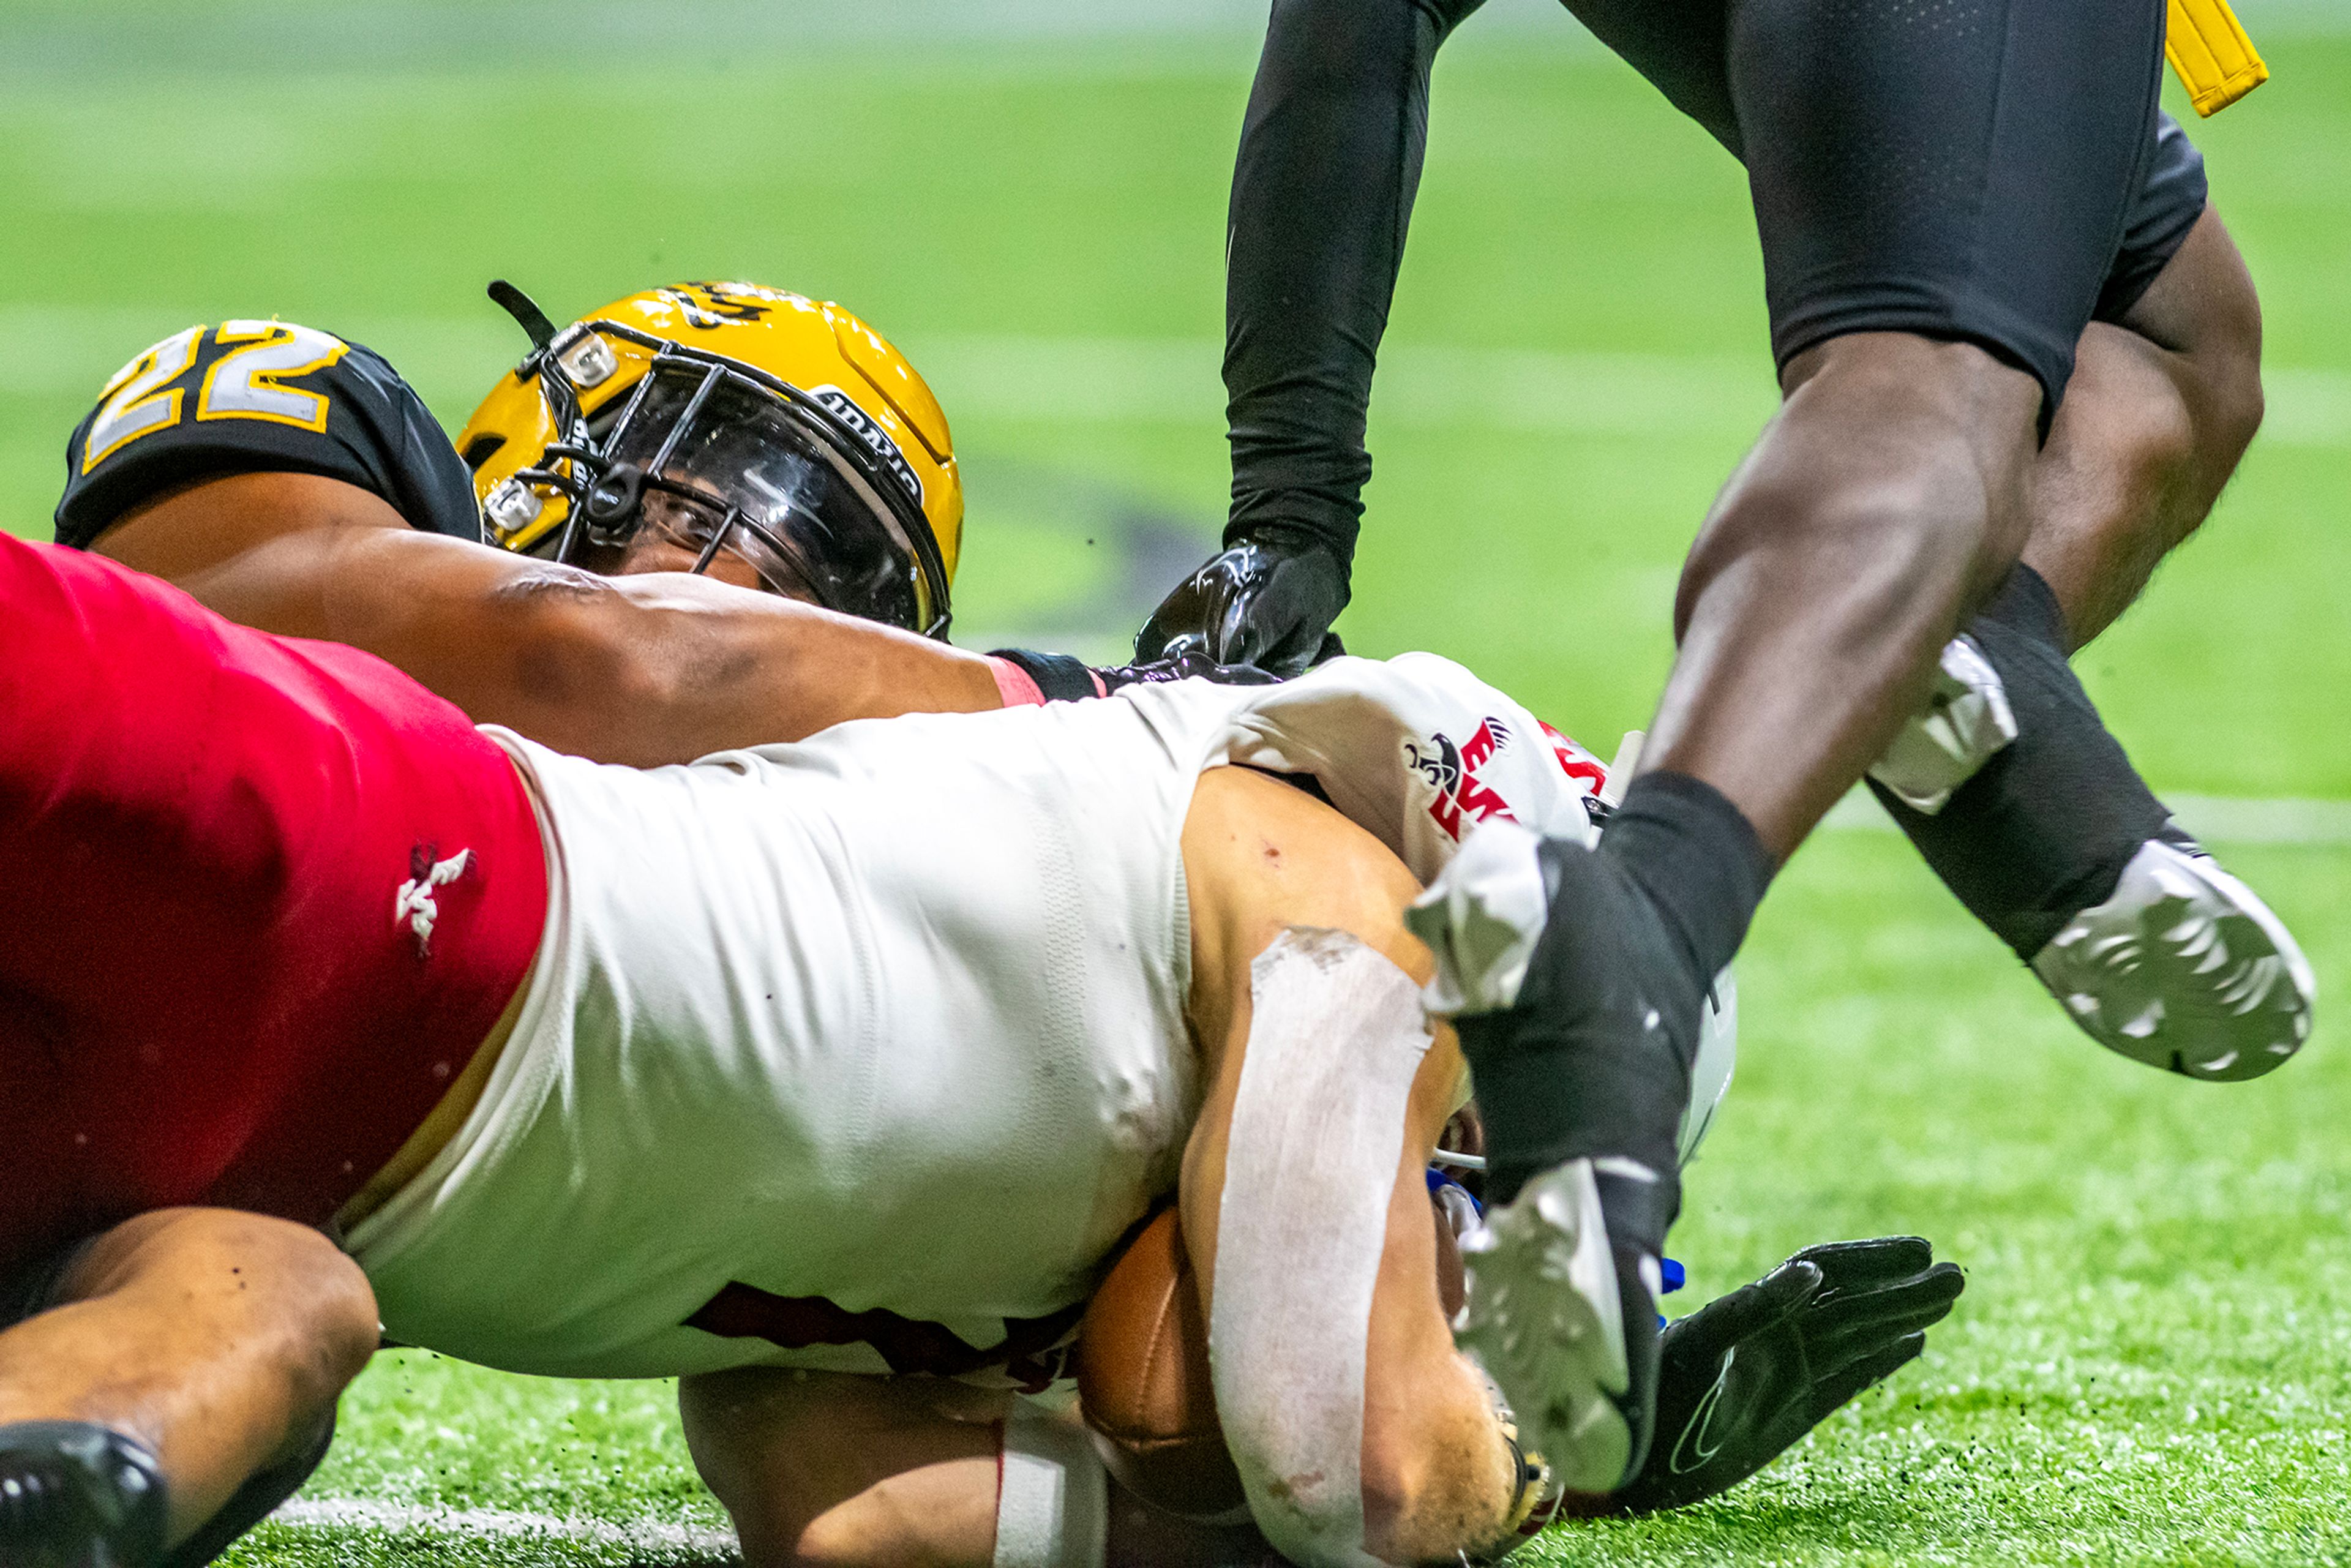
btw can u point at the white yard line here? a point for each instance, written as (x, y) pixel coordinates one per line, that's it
(1437, 386)
(361, 1513)
(2215, 818)
(1091, 381)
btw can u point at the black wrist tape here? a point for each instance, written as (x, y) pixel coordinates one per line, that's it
(1061, 678)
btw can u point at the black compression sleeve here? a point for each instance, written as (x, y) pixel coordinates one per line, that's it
(1323, 191)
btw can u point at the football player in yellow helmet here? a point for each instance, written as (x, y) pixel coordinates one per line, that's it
(728, 428)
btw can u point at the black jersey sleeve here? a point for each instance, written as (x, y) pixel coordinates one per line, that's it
(1322, 190)
(258, 397)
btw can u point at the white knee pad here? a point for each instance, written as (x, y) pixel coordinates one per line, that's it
(1336, 1034)
(1052, 1505)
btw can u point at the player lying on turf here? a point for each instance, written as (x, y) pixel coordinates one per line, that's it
(856, 1055)
(1860, 1307)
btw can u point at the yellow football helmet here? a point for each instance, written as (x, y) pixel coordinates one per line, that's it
(726, 415)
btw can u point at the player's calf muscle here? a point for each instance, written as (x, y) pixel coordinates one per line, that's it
(823, 1470)
(217, 1338)
(2161, 409)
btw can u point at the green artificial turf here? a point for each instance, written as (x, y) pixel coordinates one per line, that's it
(2150, 1362)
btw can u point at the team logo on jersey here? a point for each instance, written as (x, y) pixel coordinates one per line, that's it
(414, 907)
(1589, 775)
(841, 406)
(1453, 770)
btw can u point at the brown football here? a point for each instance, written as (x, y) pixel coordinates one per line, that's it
(1143, 1373)
(1143, 1378)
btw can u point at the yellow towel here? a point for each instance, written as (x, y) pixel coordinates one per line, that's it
(2216, 61)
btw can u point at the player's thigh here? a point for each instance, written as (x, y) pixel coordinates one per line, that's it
(814, 1465)
(1681, 46)
(2170, 238)
(1966, 169)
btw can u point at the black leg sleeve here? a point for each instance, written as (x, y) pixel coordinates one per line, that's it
(2044, 829)
(1323, 191)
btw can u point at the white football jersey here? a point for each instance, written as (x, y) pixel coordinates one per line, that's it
(864, 1053)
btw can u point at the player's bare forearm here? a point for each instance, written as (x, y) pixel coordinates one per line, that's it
(644, 670)
(1262, 858)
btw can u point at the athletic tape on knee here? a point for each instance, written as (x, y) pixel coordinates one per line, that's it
(1966, 720)
(1336, 1033)
(1052, 1505)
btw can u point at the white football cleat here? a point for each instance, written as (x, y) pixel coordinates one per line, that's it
(2183, 967)
(1544, 1318)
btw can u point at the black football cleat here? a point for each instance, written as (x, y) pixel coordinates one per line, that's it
(77, 1495)
(2028, 809)
(1583, 1079)
(2184, 967)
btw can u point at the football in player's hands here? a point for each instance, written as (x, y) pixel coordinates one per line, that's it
(1143, 1372)
(1144, 1382)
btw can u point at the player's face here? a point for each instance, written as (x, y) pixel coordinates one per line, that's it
(670, 542)
(645, 554)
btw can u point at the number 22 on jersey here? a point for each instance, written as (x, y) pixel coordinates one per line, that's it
(253, 359)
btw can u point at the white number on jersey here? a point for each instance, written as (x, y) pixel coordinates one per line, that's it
(246, 382)
(131, 406)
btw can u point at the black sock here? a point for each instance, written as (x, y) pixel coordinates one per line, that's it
(2045, 827)
(1594, 1059)
(1698, 858)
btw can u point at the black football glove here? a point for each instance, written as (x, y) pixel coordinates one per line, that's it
(1064, 679)
(1183, 666)
(1267, 604)
(1742, 1378)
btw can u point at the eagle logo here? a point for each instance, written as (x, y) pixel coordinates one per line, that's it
(1452, 770)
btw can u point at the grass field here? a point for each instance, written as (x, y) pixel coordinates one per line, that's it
(2153, 1360)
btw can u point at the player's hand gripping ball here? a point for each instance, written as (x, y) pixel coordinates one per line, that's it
(1144, 1380)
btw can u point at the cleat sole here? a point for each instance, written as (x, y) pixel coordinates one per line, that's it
(2185, 968)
